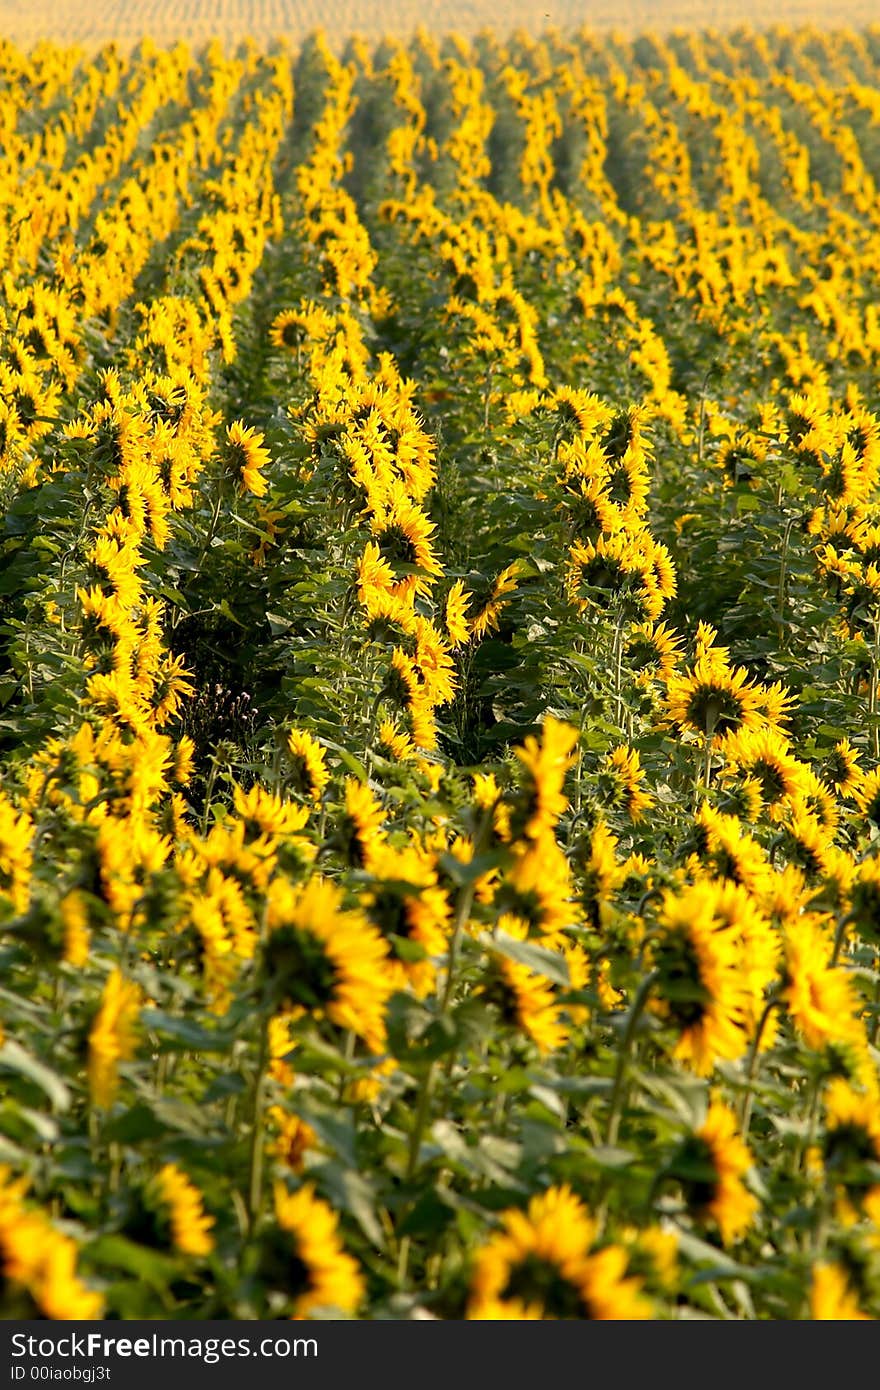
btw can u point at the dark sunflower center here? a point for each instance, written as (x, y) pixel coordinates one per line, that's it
(397, 547)
(539, 1281)
(620, 486)
(848, 1151)
(601, 572)
(526, 905)
(696, 1172)
(26, 405)
(772, 783)
(282, 1266)
(798, 427)
(388, 911)
(680, 983)
(713, 709)
(641, 654)
(297, 965)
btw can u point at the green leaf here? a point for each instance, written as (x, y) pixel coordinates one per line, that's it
(538, 959)
(183, 1035)
(14, 1057)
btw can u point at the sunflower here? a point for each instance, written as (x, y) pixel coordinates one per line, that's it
(867, 796)
(710, 1165)
(763, 754)
(406, 902)
(264, 816)
(182, 1201)
(726, 851)
(865, 904)
(544, 762)
(244, 456)
(487, 618)
(287, 330)
(16, 856)
(589, 508)
(403, 536)
(616, 563)
(699, 989)
(305, 1259)
(714, 699)
(524, 999)
(540, 1266)
(651, 652)
(820, 998)
(309, 773)
(360, 828)
(396, 742)
(537, 888)
(851, 1147)
(577, 411)
(831, 1296)
(292, 1139)
(456, 620)
(623, 769)
(112, 1037)
(74, 912)
(842, 769)
(38, 1263)
(760, 951)
(325, 960)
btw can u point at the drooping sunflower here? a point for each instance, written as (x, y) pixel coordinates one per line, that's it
(851, 1146)
(832, 1298)
(309, 773)
(623, 770)
(244, 457)
(764, 755)
(113, 1036)
(304, 1257)
(183, 1205)
(326, 960)
(710, 1165)
(525, 1000)
(820, 997)
(403, 534)
(360, 828)
(699, 989)
(544, 763)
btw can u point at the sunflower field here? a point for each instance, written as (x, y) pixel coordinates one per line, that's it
(440, 678)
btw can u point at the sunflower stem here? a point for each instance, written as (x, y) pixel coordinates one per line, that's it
(212, 527)
(618, 1093)
(840, 935)
(752, 1067)
(258, 1124)
(781, 586)
(423, 1102)
(872, 698)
